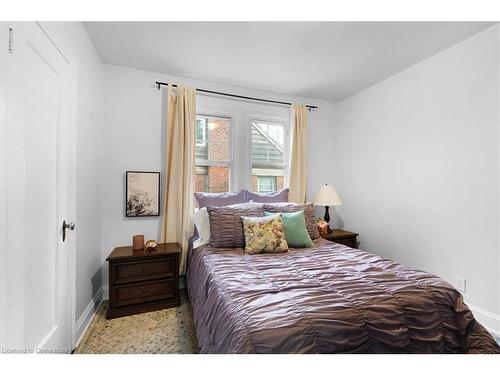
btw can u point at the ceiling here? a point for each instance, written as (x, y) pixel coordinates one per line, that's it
(325, 60)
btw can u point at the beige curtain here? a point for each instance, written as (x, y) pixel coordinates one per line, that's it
(298, 152)
(180, 154)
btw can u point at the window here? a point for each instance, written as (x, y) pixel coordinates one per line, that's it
(268, 155)
(260, 156)
(267, 184)
(212, 164)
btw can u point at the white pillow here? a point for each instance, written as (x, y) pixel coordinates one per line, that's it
(249, 204)
(202, 222)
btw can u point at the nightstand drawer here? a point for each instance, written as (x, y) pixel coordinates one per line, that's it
(144, 270)
(144, 292)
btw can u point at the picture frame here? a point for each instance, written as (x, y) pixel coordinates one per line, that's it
(142, 194)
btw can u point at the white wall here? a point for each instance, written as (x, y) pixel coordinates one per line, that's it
(76, 43)
(418, 167)
(134, 138)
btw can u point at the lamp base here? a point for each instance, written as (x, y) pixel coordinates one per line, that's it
(327, 218)
(327, 215)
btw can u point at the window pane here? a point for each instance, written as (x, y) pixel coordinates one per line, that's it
(218, 139)
(268, 156)
(267, 184)
(267, 180)
(268, 142)
(212, 179)
(200, 130)
(201, 139)
(212, 166)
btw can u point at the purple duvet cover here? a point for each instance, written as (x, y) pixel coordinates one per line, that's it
(326, 299)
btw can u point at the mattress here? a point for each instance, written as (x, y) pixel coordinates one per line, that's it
(325, 299)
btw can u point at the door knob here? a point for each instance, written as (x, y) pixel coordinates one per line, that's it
(65, 226)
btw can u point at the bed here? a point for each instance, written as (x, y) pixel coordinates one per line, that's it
(326, 299)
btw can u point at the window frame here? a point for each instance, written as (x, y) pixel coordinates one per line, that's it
(205, 140)
(228, 163)
(275, 121)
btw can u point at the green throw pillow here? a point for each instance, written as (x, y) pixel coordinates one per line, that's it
(294, 225)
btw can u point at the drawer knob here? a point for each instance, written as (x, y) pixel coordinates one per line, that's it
(145, 270)
(144, 291)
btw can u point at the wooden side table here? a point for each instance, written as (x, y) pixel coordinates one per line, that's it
(343, 237)
(143, 280)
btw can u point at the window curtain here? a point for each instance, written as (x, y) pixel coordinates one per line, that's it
(180, 156)
(298, 151)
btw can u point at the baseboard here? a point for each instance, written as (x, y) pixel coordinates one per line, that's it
(84, 321)
(105, 292)
(182, 282)
(489, 320)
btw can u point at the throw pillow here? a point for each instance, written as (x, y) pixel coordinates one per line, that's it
(308, 209)
(264, 235)
(226, 229)
(294, 225)
(201, 220)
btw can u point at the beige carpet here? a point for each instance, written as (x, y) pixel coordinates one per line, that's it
(163, 331)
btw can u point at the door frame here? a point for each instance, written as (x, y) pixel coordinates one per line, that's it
(3, 180)
(58, 42)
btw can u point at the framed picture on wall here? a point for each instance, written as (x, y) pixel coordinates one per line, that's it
(142, 197)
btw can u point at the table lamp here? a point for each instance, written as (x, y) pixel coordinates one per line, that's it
(327, 196)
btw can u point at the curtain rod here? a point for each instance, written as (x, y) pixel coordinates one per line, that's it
(309, 107)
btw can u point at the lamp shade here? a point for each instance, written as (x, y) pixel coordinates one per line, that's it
(327, 196)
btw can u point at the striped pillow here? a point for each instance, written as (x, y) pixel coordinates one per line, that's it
(226, 229)
(308, 209)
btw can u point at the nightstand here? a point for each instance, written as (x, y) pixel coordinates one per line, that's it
(143, 280)
(343, 237)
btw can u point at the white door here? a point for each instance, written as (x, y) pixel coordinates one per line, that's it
(39, 103)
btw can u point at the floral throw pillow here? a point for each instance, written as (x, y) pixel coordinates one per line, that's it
(264, 234)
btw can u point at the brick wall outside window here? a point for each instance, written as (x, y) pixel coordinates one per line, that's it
(218, 140)
(200, 182)
(215, 179)
(218, 179)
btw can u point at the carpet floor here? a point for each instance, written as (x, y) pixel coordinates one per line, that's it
(158, 332)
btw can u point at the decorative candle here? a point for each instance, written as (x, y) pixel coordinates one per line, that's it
(138, 242)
